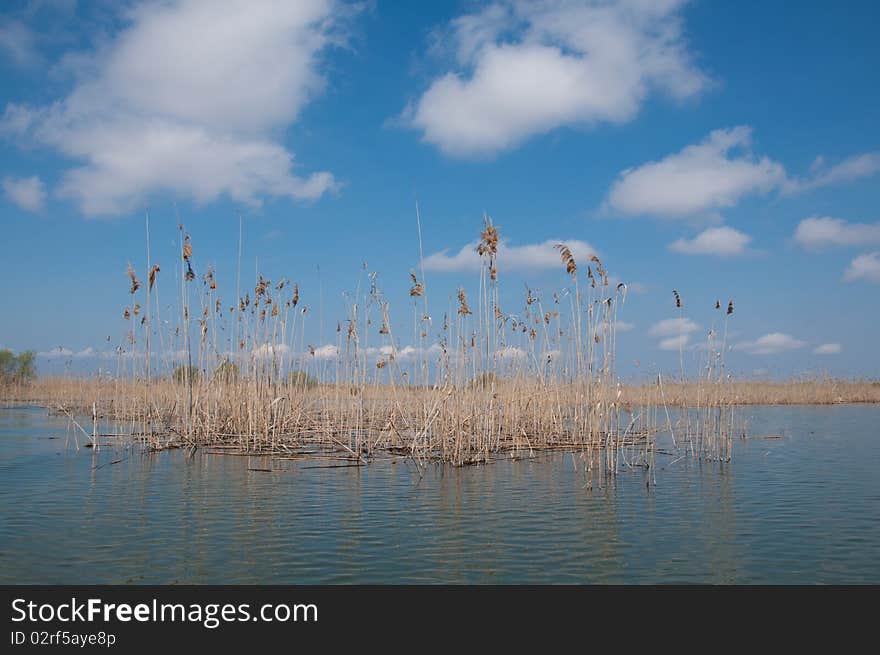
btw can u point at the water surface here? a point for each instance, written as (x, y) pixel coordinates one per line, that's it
(802, 509)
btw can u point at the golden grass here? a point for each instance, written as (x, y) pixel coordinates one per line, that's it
(818, 391)
(84, 391)
(475, 382)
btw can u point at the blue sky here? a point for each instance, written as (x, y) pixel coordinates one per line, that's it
(727, 150)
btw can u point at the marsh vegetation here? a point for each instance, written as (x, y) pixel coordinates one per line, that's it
(476, 380)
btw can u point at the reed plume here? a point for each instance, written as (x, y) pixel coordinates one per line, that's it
(152, 276)
(135, 283)
(567, 259)
(462, 303)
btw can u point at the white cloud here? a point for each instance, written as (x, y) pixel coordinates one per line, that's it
(770, 344)
(29, 193)
(17, 120)
(17, 43)
(271, 351)
(722, 240)
(411, 353)
(718, 172)
(377, 351)
(850, 169)
(675, 343)
(67, 353)
(327, 351)
(510, 352)
(632, 287)
(700, 179)
(828, 349)
(527, 68)
(406, 354)
(465, 259)
(402, 354)
(674, 333)
(673, 327)
(818, 231)
(191, 100)
(534, 256)
(550, 355)
(864, 267)
(623, 326)
(60, 351)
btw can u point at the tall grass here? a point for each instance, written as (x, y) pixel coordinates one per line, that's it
(477, 380)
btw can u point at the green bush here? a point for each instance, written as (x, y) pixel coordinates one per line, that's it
(183, 374)
(302, 379)
(484, 380)
(227, 372)
(17, 368)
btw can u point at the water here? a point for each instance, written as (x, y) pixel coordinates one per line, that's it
(803, 509)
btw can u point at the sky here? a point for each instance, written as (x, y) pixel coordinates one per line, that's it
(724, 150)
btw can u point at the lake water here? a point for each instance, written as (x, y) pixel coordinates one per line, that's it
(802, 509)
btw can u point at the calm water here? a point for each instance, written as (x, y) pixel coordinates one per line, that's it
(804, 509)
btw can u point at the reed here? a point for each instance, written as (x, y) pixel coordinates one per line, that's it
(476, 382)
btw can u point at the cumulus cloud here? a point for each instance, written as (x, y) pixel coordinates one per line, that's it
(674, 343)
(716, 174)
(624, 326)
(864, 267)
(189, 100)
(771, 344)
(327, 351)
(510, 352)
(725, 241)
(526, 68)
(402, 354)
(818, 231)
(848, 170)
(828, 349)
(62, 352)
(411, 353)
(674, 333)
(29, 193)
(380, 351)
(673, 327)
(534, 256)
(271, 351)
(700, 179)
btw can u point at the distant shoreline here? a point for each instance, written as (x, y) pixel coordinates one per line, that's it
(49, 391)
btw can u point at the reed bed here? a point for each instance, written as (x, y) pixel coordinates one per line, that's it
(474, 382)
(812, 391)
(82, 392)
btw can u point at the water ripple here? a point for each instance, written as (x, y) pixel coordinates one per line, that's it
(800, 510)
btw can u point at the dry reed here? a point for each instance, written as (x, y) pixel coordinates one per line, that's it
(481, 383)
